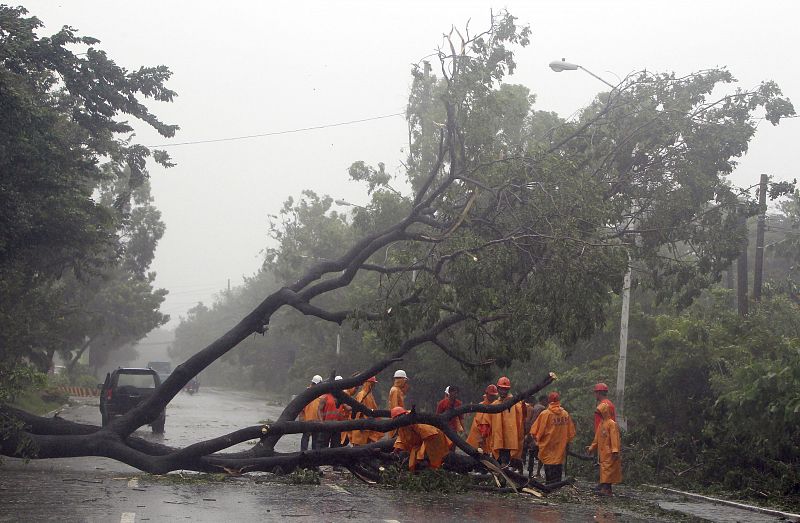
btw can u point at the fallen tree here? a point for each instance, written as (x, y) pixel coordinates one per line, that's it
(516, 232)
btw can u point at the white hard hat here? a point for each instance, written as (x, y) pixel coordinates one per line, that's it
(316, 379)
(447, 390)
(400, 374)
(337, 378)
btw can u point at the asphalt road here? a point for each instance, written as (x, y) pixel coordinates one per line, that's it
(195, 417)
(102, 490)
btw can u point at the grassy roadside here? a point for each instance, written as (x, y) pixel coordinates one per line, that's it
(38, 402)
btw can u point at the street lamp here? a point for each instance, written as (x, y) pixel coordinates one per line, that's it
(559, 66)
(345, 203)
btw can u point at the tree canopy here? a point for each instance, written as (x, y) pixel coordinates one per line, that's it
(523, 223)
(78, 228)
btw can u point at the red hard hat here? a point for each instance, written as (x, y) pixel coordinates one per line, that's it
(504, 383)
(373, 380)
(491, 389)
(601, 387)
(398, 411)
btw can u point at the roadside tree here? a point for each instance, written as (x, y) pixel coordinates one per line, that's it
(65, 140)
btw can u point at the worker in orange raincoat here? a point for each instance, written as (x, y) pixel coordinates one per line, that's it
(601, 396)
(481, 430)
(451, 401)
(553, 430)
(310, 413)
(508, 427)
(365, 397)
(397, 395)
(346, 413)
(414, 437)
(329, 410)
(398, 391)
(607, 443)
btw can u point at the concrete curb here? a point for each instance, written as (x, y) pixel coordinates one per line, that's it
(771, 512)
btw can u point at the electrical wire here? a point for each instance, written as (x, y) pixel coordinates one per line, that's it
(274, 133)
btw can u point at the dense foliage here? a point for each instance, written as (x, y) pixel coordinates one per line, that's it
(78, 228)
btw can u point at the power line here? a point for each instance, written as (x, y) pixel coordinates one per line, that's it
(274, 133)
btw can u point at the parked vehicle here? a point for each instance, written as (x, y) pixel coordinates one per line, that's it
(124, 389)
(193, 386)
(163, 368)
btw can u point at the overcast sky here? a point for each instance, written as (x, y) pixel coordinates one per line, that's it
(244, 68)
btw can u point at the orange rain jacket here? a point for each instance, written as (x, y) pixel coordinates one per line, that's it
(345, 412)
(365, 397)
(397, 399)
(507, 428)
(481, 429)
(328, 411)
(598, 419)
(553, 430)
(417, 437)
(311, 411)
(607, 442)
(397, 393)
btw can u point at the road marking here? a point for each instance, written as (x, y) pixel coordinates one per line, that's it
(337, 488)
(128, 517)
(133, 483)
(391, 521)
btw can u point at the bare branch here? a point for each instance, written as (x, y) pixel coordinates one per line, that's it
(472, 364)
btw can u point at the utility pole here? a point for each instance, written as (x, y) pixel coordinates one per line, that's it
(559, 66)
(623, 348)
(741, 269)
(758, 274)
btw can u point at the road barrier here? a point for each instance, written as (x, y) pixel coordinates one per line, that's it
(86, 392)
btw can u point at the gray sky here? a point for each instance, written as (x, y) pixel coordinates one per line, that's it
(243, 68)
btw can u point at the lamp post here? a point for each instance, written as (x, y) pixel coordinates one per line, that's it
(559, 66)
(345, 203)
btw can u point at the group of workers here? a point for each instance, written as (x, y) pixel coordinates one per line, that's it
(327, 408)
(537, 431)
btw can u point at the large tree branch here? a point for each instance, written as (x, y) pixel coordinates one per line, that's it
(345, 456)
(256, 321)
(203, 456)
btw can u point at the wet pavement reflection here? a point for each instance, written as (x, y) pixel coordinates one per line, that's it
(99, 489)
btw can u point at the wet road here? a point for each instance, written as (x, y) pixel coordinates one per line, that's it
(194, 417)
(102, 490)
